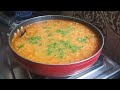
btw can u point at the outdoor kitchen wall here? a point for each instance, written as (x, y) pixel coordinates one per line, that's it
(109, 23)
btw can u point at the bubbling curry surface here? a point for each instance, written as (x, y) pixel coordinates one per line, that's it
(56, 42)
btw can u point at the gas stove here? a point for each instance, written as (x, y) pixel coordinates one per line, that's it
(104, 68)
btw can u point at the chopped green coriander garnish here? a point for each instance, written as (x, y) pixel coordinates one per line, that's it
(82, 40)
(34, 39)
(21, 46)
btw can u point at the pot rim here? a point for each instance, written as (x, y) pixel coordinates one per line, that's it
(59, 64)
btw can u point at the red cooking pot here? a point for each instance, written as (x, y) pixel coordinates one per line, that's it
(56, 70)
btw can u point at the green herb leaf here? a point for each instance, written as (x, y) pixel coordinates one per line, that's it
(51, 48)
(83, 39)
(33, 42)
(70, 46)
(60, 53)
(34, 39)
(21, 46)
(56, 48)
(69, 28)
(50, 51)
(50, 34)
(74, 48)
(64, 31)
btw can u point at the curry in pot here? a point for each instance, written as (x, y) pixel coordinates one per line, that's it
(56, 42)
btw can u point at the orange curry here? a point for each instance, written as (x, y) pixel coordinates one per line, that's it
(56, 42)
